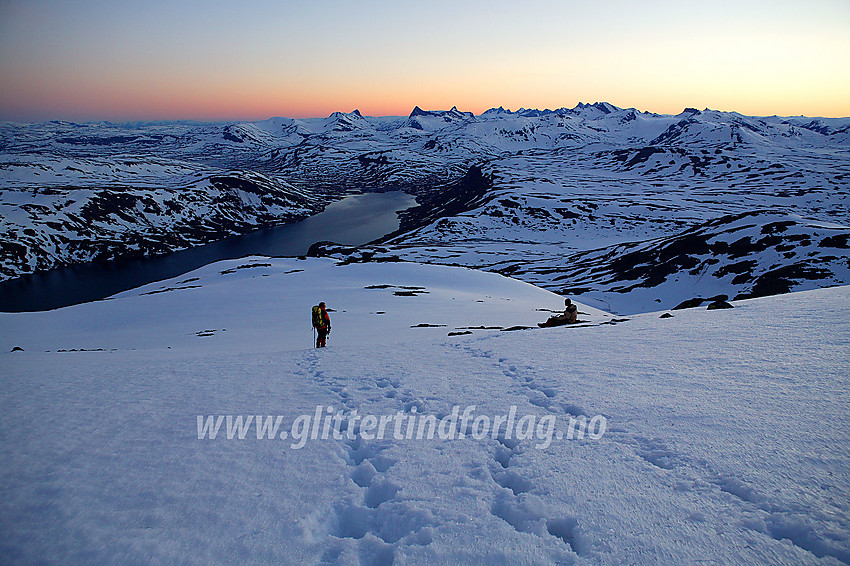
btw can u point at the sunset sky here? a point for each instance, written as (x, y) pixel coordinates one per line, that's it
(247, 60)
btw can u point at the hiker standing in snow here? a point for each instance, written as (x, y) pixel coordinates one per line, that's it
(322, 324)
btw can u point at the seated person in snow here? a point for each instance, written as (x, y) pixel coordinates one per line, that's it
(570, 316)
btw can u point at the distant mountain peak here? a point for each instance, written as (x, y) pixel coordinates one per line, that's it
(418, 112)
(355, 113)
(604, 107)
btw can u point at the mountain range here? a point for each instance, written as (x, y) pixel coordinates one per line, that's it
(629, 210)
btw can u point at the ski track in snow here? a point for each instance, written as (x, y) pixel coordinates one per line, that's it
(368, 465)
(781, 523)
(509, 506)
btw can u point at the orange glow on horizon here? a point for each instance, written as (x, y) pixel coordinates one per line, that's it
(99, 60)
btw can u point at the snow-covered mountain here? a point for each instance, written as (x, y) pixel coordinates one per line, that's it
(541, 194)
(723, 440)
(57, 211)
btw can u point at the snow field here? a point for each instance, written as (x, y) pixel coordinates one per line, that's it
(263, 304)
(725, 442)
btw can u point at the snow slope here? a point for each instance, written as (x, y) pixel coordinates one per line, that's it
(725, 439)
(259, 304)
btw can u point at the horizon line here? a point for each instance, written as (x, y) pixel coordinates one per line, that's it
(416, 109)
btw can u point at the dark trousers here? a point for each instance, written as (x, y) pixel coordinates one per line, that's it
(321, 336)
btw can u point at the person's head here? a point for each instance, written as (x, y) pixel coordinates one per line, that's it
(322, 305)
(567, 302)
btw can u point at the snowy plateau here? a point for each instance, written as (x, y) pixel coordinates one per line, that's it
(190, 420)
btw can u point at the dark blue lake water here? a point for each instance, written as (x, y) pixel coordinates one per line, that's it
(354, 220)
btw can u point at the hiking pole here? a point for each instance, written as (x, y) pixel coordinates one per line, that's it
(314, 337)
